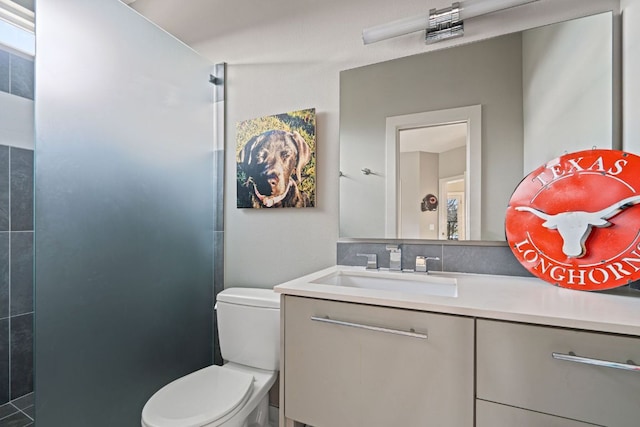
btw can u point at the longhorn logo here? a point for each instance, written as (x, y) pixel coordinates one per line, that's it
(574, 227)
(559, 229)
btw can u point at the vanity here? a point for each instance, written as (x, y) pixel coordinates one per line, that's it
(462, 350)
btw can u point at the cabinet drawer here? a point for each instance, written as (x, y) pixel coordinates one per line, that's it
(338, 374)
(515, 366)
(489, 414)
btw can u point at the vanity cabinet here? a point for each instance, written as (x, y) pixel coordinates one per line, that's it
(516, 367)
(505, 351)
(349, 364)
(489, 414)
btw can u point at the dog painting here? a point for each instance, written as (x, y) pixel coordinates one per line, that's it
(276, 161)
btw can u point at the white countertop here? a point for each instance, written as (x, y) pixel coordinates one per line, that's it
(518, 299)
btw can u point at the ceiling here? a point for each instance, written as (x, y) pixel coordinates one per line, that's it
(434, 139)
(196, 21)
(296, 32)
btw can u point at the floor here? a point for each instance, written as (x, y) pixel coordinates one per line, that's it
(18, 413)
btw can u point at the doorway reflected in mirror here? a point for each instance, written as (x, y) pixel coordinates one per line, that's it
(453, 212)
(432, 160)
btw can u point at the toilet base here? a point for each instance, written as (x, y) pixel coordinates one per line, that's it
(259, 400)
(258, 418)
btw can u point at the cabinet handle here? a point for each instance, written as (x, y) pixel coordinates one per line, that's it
(571, 357)
(410, 333)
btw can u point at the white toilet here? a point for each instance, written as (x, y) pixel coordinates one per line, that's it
(235, 394)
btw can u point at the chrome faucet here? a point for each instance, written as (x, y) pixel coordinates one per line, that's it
(395, 257)
(372, 261)
(421, 263)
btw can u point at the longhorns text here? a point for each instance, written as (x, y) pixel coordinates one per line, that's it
(621, 267)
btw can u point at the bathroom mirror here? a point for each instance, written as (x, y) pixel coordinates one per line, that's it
(479, 116)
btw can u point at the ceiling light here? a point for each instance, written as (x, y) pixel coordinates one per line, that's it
(439, 24)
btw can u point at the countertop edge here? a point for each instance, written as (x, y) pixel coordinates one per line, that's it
(503, 298)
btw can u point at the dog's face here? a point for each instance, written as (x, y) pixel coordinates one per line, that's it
(272, 158)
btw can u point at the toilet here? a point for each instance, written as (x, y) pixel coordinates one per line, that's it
(235, 394)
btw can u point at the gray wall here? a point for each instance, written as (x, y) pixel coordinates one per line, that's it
(452, 162)
(567, 86)
(488, 73)
(29, 4)
(419, 177)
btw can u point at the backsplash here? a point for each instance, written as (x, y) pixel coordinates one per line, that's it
(495, 258)
(473, 258)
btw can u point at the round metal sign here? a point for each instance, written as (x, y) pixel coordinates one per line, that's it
(574, 221)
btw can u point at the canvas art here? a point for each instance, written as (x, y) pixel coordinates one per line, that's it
(276, 161)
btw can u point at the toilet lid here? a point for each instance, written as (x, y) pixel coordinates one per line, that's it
(198, 398)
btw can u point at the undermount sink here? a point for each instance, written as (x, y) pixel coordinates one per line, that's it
(411, 283)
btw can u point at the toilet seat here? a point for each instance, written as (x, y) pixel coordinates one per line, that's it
(198, 399)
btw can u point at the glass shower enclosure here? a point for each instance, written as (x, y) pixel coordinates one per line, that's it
(124, 212)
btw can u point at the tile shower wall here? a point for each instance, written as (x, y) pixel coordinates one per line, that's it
(16, 272)
(16, 235)
(16, 75)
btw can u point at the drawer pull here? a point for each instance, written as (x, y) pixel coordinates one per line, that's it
(410, 333)
(571, 357)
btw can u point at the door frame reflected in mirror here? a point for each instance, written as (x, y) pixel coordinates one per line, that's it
(472, 115)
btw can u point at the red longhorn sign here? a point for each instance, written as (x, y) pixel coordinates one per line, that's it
(574, 222)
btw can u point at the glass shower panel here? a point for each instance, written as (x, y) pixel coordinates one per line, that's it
(124, 205)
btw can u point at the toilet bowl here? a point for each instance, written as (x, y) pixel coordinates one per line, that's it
(230, 396)
(235, 394)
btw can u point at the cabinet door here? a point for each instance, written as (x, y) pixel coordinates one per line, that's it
(516, 366)
(340, 375)
(489, 414)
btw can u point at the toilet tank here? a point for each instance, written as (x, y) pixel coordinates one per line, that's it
(249, 327)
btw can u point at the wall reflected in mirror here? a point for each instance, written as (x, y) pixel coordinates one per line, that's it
(542, 92)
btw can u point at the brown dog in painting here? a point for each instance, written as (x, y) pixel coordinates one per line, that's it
(272, 164)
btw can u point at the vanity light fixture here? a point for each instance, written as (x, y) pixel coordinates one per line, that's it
(439, 24)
